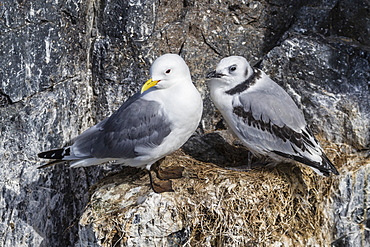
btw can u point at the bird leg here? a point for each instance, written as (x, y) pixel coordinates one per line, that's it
(249, 165)
(246, 167)
(249, 161)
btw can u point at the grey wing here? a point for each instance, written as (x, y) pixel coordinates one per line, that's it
(137, 123)
(279, 108)
(272, 123)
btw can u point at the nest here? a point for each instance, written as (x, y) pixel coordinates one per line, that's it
(285, 205)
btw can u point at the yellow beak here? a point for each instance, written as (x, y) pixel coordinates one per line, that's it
(150, 83)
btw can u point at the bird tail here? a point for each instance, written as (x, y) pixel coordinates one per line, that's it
(51, 163)
(65, 154)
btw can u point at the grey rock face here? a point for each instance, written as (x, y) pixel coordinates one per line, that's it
(327, 79)
(352, 209)
(64, 66)
(331, 80)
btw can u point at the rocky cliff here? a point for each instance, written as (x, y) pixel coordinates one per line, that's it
(65, 65)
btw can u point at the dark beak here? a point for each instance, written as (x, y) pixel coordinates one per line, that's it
(214, 74)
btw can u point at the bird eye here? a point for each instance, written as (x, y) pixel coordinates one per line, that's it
(232, 68)
(168, 71)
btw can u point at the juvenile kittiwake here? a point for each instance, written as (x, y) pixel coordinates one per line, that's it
(264, 116)
(151, 124)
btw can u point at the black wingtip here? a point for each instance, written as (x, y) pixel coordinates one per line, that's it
(325, 167)
(56, 154)
(330, 165)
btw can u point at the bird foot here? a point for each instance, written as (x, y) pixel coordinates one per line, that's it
(163, 182)
(161, 186)
(170, 172)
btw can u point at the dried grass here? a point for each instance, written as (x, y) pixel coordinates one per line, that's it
(282, 206)
(265, 207)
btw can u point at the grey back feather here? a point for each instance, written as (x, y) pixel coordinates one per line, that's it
(137, 123)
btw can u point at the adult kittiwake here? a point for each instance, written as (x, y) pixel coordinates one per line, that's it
(151, 124)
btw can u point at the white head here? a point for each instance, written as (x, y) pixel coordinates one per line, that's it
(230, 72)
(166, 71)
